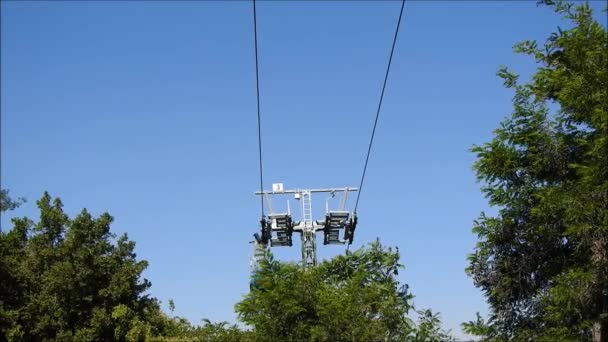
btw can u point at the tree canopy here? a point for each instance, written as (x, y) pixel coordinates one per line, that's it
(72, 279)
(7, 203)
(67, 279)
(542, 261)
(352, 297)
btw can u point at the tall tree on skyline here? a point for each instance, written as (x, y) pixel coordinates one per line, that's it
(542, 261)
(67, 279)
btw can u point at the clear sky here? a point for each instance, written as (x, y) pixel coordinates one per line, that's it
(146, 110)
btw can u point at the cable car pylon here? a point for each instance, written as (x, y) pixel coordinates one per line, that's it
(276, 229)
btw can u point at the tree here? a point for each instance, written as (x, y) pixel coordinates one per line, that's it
(7, 203)
(429, 328)
(69, 279)
(542, 261)
(72, 280)
(65, 279)
(353, 297)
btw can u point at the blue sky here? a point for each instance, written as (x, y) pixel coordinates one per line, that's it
(146, 110)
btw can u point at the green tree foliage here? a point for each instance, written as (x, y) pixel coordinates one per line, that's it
(183, 331)
(66, 280)
(7, 203)
(72, 280)
(542, 261)
(354, 297)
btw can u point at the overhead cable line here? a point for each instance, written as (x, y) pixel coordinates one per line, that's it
(257, 86)
(388, 68)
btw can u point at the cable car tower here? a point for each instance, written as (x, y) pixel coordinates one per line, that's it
(277, 228)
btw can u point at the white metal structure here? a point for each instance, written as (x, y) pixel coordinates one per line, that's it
(278, 229)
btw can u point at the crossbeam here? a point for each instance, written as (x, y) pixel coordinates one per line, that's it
(297, 191)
